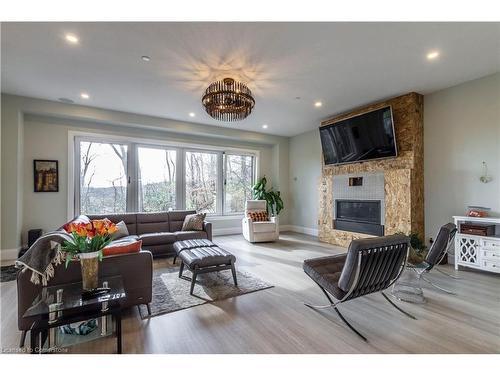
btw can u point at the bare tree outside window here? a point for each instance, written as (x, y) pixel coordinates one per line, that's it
(157, 169)
(103, 179)
(238, 182)
(201, 181)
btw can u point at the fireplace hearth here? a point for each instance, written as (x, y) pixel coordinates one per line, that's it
(361, 216)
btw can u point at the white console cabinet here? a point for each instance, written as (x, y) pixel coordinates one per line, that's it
(480, 252)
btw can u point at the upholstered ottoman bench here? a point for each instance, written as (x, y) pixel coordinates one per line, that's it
(203, 256)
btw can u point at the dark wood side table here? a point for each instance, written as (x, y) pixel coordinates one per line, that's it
(60, 305)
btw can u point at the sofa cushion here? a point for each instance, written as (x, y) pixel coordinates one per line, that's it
(176, 219)
(129, 238)
(119, 248)
(159, 238)
(190, 235)
(256, 216)
(80, 219)
(121, 231)
(264, 226)
(193, 222)
(152, 222)
(128, 219)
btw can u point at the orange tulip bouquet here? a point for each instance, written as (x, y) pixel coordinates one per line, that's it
(88, 240)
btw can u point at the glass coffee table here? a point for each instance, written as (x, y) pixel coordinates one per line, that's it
(62, 305)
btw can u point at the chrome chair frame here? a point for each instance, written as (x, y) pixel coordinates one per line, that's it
(353, 288)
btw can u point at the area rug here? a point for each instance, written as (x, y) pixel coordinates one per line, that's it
(8, 273)
(170, 293)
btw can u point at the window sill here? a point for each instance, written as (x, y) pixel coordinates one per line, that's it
(224, 217)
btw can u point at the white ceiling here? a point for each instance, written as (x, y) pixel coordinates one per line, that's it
(344, 65)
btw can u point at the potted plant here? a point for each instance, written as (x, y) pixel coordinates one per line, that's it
(418, 250)
(88, 240)
(272, 197)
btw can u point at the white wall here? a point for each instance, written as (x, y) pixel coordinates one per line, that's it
(461, 130)
(38, 129)
(305, 171)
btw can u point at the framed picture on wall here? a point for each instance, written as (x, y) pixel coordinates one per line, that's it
(46, 174)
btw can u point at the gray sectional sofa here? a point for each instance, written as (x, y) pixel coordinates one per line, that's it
(158, 230)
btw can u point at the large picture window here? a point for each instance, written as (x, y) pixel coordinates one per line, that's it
(117, 177)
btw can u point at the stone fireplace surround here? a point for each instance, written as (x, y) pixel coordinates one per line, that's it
(403, 176)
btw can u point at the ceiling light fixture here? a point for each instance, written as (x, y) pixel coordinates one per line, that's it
(84, 95)
(228, 100)
(71, 38)
(191, 114)
(264, 126)
(318, 104)
(145, 58)
(432, 55)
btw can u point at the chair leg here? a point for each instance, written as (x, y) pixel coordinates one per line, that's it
(349, 324)
(233, 270)
(439, 287)
(334, 305)
(193, 281)
(447, 274)
(23, 339)
(181, 268)
(397, 307)
(175, 258)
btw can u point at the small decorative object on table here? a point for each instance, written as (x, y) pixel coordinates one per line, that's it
(478, 211)
(88, 240)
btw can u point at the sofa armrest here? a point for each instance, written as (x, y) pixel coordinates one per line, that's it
(207, 227)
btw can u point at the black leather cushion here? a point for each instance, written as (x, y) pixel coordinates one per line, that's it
(440, 244)
(349, 271)
(161, 238)
(326, 272)
(206, 256)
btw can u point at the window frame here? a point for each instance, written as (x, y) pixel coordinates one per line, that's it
(133, 143)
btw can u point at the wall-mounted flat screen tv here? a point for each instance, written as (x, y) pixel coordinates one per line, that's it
(360, 138)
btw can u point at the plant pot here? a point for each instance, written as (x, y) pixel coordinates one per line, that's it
(90, 269)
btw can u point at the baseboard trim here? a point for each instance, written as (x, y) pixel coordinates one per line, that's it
(9, 254)
(227, 231)
(298, 229)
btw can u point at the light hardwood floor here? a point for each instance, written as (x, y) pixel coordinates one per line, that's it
(276, 321)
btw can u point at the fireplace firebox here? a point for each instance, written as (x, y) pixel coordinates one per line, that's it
(361, 216)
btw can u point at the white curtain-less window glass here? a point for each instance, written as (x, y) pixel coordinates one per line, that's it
(157, 168)
(238, 181)
(103, 178)
(201, 181)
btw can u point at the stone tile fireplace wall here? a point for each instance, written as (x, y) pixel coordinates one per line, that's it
(403, 176)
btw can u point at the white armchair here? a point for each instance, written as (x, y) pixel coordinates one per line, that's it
(259, 231)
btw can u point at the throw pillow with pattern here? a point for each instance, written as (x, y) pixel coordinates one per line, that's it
(193, 222)
(258, 216)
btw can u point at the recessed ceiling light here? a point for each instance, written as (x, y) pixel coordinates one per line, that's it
(84, 95)
(432, 55)
(264, 126)
(71, 38)
(191, 114)
(145, 58)
(318, 104)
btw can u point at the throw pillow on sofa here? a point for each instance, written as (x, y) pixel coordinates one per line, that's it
(122, 231)
(82, 219)
(258, 216)
(193, 222)
(125, 247)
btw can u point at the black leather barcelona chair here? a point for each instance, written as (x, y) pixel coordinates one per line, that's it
(371, 265)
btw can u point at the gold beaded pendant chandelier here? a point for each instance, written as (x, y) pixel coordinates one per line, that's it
(228, 100)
